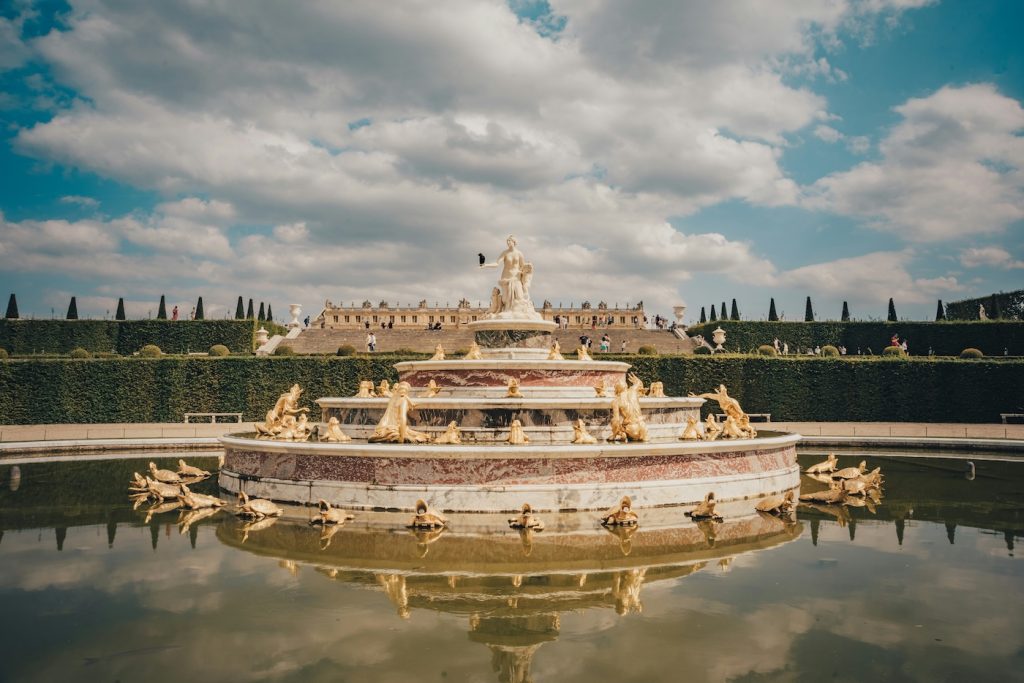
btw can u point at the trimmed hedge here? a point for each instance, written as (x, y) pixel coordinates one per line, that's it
(945, 338)
(790, 388)
(125, 337)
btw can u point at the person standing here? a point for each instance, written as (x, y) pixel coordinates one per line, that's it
(174, 313)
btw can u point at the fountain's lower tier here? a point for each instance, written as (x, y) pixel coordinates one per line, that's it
(492, 478)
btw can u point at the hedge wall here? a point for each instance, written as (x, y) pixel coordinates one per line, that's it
(1010, 304)
(945, 338)
(791, 388)
(23, 337)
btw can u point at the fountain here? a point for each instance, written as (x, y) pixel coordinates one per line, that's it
(522, 414)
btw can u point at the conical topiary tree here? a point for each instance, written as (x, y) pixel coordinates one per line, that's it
(249, 315)
(119, 315)
(262, 315)
(12, 308)
(940, 311)
(734, 313)
(200, 315)
(808, 312)
(703, 316)
(714, 315)
(239, 309)
(772, 315)
(73, 309)
(270, 314)
(892, 311)
(722, 312)
(846, 313)
(161, 312)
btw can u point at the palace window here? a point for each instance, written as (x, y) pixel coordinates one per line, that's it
(359, 319)
(622, 319)
(431, 319)
(577, 320)
(374, 318)
(414, 318)
(346, 318)
(453, 318)
(403, 318)
(335, 318)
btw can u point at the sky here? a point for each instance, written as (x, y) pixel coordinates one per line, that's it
(668, 152)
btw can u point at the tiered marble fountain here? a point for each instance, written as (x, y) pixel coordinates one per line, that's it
(555, 469)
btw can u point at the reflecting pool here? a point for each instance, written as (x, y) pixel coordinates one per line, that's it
(923, 586)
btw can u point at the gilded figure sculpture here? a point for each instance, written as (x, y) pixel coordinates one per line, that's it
(195, 501)
(776, 505)
(256, 508)
(621, 514)
(287, 406)
(186, 470)
(137, 484)
(690, 432)
(164, 476)
(432, 390)
(581, 353)
(332, 432)
(159, 491)
(474, 352)
(580, 434)
(328, 515)
(452, 435)
(513, 389)
(438, 353)
(712, 429)
(426, 518)
(526, 520)
(657, 390)
(384, 389)
(834, 495)
(729, 405)
(627, 418)
(705, 509)
(556, 351)
(851, 472)
(394, 425)
(516, 435)
(366, 389)
(827, 465)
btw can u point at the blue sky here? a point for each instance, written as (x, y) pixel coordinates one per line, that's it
(675, 152)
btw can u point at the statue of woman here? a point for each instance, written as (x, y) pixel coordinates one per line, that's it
(514, 281)
(394, 426)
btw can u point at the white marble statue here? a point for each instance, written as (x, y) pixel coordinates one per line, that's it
(511, 299)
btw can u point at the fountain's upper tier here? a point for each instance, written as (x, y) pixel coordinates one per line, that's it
(491, 377)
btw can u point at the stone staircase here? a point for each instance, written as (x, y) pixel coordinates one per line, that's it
(317, 341)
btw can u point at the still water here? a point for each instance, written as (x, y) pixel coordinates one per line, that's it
(925, 586)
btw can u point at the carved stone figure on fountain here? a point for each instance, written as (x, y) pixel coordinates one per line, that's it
(474, 352)
(556, 351)
(512, 295)
(628, 422)
(394, 425)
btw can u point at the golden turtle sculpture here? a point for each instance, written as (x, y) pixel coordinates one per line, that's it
(621, 514)
(164, 476)
(851, 472)
(776, 505)
(526, 520)
(256, 508)
(330, 515)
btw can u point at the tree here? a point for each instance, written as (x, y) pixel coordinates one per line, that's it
(703, 316)
(940, 311)
(772, 315)
(119, 315)
(721, 312)
(734, 314)
(248, 312)
(262, 315)
(714, 315)
(73, 309)
(12, 308)
(239, 309)
(200, 315)
(161, 312)
(808, 312)
(846, 313)
(892, 311)
(270, 314)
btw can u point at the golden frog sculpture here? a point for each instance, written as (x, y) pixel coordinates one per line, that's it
(366, 389)
(474, 352)
(556, 351)
(580, 434)
(690, 432)
(712, 430)
(516, 435)
(384, 389)
(513, 389)
(438, 353)
(452, 435)
(332, 433)
(705, 509)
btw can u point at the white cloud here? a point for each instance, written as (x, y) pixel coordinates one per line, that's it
(995, 257)
(13, 53)
(84, 202)
(827, 133)
(951, 168)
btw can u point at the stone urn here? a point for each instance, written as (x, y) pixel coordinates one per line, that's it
(261, 337)
(295, 310)
(679, 311)
(718, 336)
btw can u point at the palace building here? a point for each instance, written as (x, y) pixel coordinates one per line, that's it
(334, 316)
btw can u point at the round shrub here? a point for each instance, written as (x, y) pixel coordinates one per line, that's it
(766, 350)
(3, 354)
(971, 353)
(150, 351)
(219, 350)
(892, 351)
(284, 351)
(346, 350)
(80, 353)
(702, 351)
(647, 350)
(830, 351)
